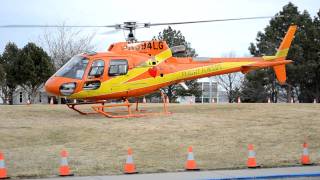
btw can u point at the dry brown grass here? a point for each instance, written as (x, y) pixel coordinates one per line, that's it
(32, 136)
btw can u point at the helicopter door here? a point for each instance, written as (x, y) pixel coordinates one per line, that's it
(95, 75)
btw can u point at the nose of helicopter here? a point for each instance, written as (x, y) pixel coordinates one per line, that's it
(61, 86)
(52, 86)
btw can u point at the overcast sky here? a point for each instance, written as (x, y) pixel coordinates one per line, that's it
(209, 39)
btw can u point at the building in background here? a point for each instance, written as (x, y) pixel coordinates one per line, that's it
(186, 99)
(210, 92)
(20, 96)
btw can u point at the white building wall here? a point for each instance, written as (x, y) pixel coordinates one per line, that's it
(21, 97)
(216, 93)
(186, 99)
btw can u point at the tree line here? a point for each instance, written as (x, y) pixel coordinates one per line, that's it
(29, 67)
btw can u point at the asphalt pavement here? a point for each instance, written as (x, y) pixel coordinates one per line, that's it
(305, 172)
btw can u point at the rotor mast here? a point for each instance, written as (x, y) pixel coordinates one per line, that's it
(131, 26)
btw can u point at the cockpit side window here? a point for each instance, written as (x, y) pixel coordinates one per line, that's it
(97, 68)
(118, 67)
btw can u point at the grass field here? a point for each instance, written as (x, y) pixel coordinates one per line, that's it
(31, 138)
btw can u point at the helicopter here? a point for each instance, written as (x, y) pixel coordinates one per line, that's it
(133, 69)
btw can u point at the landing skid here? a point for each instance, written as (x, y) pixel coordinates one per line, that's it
(73, 106)
(100, 109)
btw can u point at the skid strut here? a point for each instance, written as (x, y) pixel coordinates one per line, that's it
(73, 106)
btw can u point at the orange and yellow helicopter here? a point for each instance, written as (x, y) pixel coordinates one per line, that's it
(134, 69)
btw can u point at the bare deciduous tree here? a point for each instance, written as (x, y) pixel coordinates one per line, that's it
(230, 82)
(63, 43)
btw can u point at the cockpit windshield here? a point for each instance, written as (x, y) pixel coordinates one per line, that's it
(74, 68)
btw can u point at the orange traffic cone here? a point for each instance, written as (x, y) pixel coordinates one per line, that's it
(251, 163)
(64, 167)
(305, 159)
(191, 163)
(3, 170)
(129, 167)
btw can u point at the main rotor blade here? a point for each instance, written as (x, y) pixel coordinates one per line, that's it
(54, 26)
(206, 21)
(134, 26)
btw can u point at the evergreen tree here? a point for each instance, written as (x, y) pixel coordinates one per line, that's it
(10, 81)
(254, 87)
(309, 81)
(35, 67)
(2, 79)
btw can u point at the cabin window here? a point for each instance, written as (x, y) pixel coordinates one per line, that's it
(97, 68)
(118, 67)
